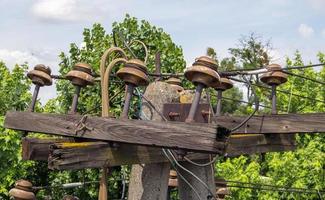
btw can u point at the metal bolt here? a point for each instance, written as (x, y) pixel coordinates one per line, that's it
(128, 96)
(195, 102)
(223, 85)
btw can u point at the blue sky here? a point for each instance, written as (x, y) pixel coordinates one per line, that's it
(36, 31)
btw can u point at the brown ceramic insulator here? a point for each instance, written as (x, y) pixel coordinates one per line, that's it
(275, 76)
(40, 75)
(223, 84)
(172, 174)
(222, 192)
(134, 72)
(81, 75)
(203, 71)
(206, 61)
(24, 185)
(22, 191)
(175, 83)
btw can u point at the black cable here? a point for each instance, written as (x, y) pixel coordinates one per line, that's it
(304, 77)
(238, 71)
(180, 175)
(267, 185)
(278, 90)
(253, 113)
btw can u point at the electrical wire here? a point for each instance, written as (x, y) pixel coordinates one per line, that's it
(180, 174)
(266, 185)
(246, 102)
(284, 68)
(253, 113)
(278, 90)
(192, 174)
(201, 164)
(304, 77)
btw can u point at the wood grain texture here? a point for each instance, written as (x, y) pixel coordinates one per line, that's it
(281, 123)
(174, 135)
(66, 154)
(38, 149)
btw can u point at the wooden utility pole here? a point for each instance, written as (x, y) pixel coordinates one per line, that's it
(150, 181)
(206, 174)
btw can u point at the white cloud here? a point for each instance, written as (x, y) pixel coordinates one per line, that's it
(11, 58)
(66, 10)
(305, 30)
(77, 10)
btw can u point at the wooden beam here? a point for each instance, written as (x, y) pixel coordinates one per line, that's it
(65, 154)
(176, 135)
(38, 149)
(281, 123)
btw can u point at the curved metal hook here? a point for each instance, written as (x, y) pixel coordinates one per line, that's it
(104, 74)
(144, 46)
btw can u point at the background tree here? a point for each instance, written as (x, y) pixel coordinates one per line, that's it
(14, 95)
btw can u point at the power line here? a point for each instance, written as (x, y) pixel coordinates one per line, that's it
(304, 77)
(246, 102)
(279, 90)
(284, 68)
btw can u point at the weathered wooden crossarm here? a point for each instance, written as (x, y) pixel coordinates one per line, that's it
(281, 123)
(176, 135)
(66, 154)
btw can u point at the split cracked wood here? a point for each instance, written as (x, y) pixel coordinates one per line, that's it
(66, 154)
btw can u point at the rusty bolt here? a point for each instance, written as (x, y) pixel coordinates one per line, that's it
(223, 85)
(22, 191)
(173, 115)
(134, 74)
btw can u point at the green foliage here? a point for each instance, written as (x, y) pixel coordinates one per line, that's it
(14, 87)
(96, 41)
(302, 168)
(14, 95)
